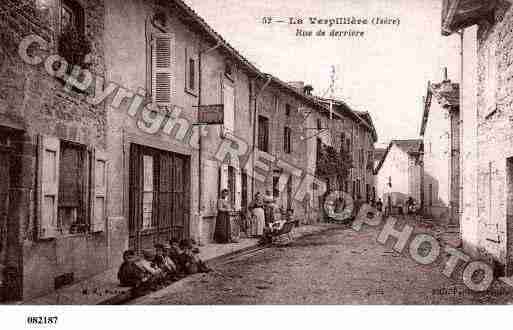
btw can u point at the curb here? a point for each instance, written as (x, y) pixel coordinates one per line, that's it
(128, 296)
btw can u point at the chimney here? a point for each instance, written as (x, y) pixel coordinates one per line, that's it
(307, 90)
(298, 85)
(445, 75)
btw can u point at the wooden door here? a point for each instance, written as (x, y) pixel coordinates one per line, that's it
(159, 197)
(4, 202)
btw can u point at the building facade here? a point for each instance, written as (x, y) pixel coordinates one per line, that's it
(398, 176)
(113, 150)
(54, 142)
(441, 152)
(484, 26)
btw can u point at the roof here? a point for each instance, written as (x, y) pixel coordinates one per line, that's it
(379, 153)
(363, 117)
(446, 93)
(410, 146)
(209, 31)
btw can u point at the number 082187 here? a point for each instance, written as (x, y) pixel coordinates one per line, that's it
(43, 320)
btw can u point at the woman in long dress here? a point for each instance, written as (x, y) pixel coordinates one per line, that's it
(223, 231)
(258, 219)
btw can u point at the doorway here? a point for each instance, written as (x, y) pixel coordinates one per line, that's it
(159, 195)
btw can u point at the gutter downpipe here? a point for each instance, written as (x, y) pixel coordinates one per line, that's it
(461, 123)
(200, 138)
(257, 95)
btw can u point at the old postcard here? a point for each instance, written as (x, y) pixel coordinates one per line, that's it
(194, 152)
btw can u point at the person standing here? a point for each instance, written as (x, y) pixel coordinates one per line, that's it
(258, 216)
(269, 207)
(223, 230)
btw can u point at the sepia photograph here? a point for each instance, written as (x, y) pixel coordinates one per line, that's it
(255, 153)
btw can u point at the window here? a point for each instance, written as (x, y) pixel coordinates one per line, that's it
(276, 188)
(72, 16)
(263, 134)
(229, 107)
(228, 70)
(72, 188)
(244, 198)
(319, 124)
(287, 140)
(73, 178)
(342, 142)
(289, 193)
(163, 68)
(148, 191)
(430, 194)
(191, 74)
(287, 110)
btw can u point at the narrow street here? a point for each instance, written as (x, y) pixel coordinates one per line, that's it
(337, 266)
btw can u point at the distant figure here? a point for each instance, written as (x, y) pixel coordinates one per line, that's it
(379, 205)
(258, 216)
(269, 207)
(223, 231)
(357, 205)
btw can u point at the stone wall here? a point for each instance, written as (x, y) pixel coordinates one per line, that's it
(495, 136)
(38, 104)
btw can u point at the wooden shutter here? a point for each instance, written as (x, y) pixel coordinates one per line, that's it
(229, 107)
(163, 65)
(49, 154)
(238, 189)
(99, 191)
(223, 178)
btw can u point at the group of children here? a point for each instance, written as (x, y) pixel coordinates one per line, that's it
(169, 263)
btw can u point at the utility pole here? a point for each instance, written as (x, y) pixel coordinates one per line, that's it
(332, 90)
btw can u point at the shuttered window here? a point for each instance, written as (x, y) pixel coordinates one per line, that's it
(49, 154)
(163, 66)
(72, 189)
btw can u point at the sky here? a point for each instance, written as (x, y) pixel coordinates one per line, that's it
(386, 72)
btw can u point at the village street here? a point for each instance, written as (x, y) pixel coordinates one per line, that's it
(337, 266)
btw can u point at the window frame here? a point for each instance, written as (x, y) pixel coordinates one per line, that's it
(86, 193)
(263, 119)
(191, 56)
(287, 140)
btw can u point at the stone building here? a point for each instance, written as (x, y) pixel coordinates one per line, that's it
(486, 132)
(112, 153)
(53, 228)
(441, 157)
(398, 175)
(354, 132)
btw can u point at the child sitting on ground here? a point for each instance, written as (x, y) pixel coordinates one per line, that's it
(130, 274)
(175, 254)
(164, 262)
(190, 259)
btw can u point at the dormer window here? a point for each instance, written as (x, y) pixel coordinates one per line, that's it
(228, 70)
